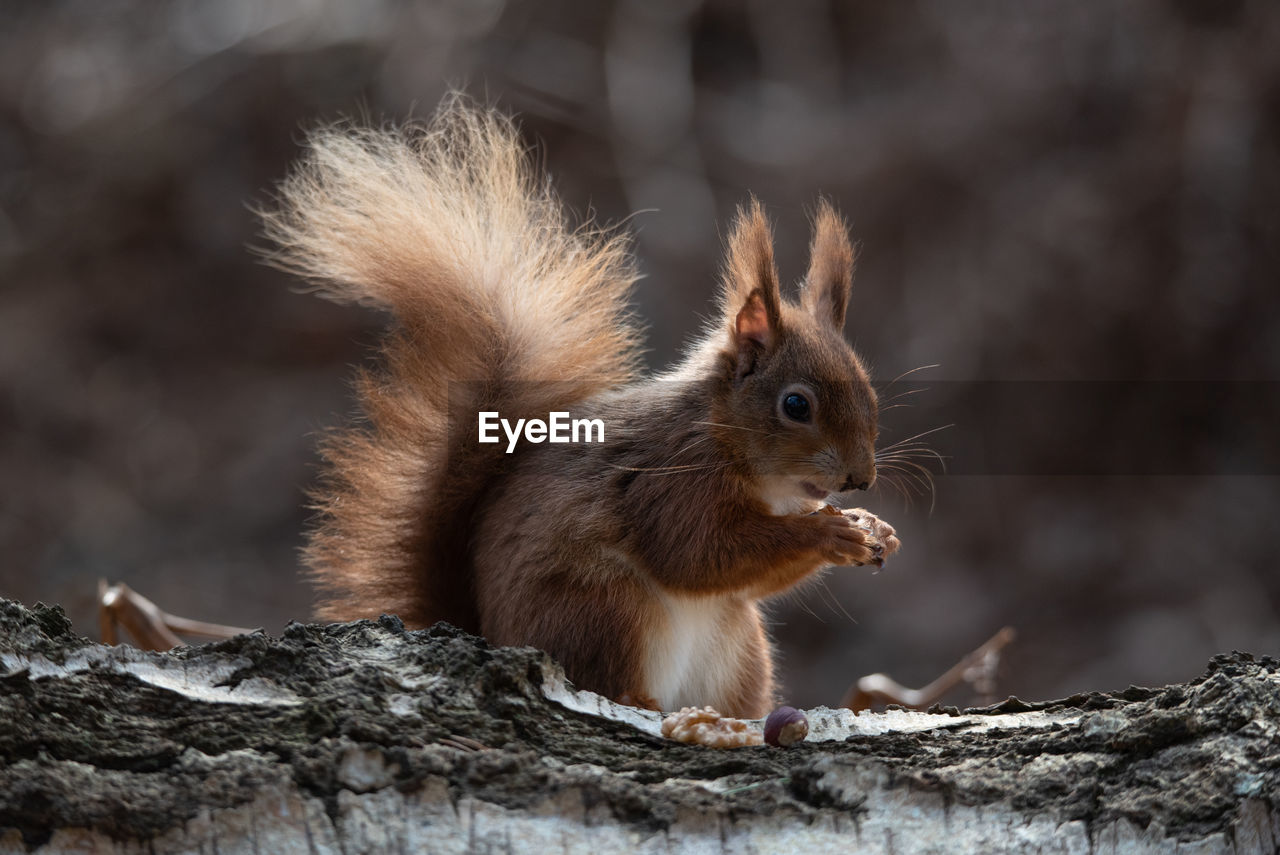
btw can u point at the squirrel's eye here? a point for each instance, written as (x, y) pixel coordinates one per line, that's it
(796, 407)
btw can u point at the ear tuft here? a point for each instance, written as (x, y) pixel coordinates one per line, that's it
(831, 259)
(750, 297)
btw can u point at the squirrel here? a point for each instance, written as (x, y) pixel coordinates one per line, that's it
(639, 563)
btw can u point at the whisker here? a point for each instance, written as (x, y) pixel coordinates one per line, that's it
(835, 601)
(914, 448)
(918, 476)
(732, 427)
(917, 436)
(673, 468)
(909, 373)
(904, 457)
(904, 393)
(670, 470)
(921, 453)
(691, 444)
(913, 465)
(921, 478)
(904, 444)
(914, 456)
(892, 481)
(800, 600)
(910, 465)
(916, 480)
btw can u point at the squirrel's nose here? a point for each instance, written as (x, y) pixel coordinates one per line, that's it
(849, 485)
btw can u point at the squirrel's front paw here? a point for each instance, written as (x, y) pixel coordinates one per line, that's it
(845, 541)
(857, 536)
(881, 537)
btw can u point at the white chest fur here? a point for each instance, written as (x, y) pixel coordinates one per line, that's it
(694, 653)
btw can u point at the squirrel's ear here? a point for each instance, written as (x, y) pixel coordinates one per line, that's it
(750, 294)
(752, 323)
(831, 256)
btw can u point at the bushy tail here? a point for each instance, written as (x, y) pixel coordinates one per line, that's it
(498, 304)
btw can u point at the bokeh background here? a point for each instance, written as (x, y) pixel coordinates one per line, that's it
(1071, 209)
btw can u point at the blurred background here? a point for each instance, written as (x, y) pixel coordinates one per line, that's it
(1071, 210)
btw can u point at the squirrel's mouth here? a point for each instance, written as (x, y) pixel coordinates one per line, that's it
(814, 491)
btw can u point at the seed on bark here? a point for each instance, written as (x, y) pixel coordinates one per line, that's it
(785, 726)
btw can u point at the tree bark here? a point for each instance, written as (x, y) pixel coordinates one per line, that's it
(363, 737)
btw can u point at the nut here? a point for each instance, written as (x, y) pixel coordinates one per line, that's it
(785, 726)
(705, 726)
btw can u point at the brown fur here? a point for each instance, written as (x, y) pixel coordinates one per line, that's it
(640, 562)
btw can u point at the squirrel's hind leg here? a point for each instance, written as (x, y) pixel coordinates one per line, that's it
(594, 626)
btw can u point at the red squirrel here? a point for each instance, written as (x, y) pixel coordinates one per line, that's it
(639, 562)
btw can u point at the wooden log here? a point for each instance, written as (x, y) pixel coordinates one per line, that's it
(363, 737)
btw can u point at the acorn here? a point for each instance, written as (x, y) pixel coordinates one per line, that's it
(785, 726)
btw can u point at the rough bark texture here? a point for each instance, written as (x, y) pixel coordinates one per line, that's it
(344, 738)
